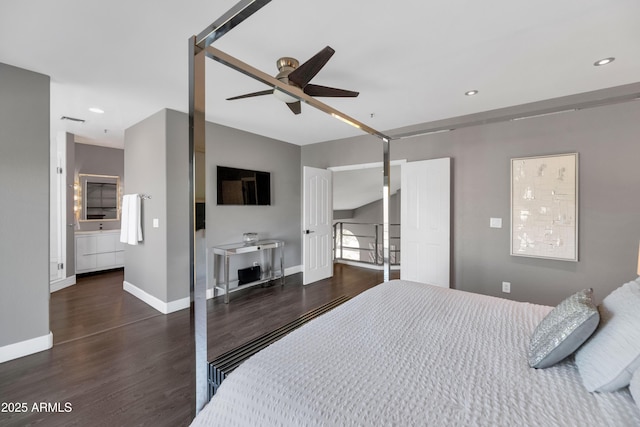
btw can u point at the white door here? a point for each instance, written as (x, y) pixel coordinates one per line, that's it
(317, 216)
(425, 217)
(57, 212)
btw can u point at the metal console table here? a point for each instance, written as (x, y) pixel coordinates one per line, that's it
(227, 251)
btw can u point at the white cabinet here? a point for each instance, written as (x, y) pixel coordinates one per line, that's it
(99, 250)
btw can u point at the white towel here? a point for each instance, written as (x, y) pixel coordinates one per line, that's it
(130, 223)
(124, 219)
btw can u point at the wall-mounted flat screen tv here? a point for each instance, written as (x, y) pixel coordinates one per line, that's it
(243, 187)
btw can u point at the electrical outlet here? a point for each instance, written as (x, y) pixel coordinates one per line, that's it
(506, 287)
(495, 222)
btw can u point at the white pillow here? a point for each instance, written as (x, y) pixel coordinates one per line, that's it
(610, 357)
(634, 387)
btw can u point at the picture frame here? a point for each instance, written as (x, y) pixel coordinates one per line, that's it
(544, 207)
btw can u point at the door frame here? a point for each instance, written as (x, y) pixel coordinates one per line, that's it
(58, 209)
(385, 213)
(365, 165)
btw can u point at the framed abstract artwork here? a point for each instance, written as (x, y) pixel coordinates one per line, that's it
(544, 207)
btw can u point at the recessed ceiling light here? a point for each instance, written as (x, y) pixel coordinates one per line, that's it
(604, 61)
(471, 92)
(96, 110)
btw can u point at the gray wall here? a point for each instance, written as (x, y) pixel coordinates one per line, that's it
(371, 213)
(156, 163)
(24, 211)
(343, 214)
(606, 139)
(282, 220)
(177, 212)
(97, 160)
(145, 165)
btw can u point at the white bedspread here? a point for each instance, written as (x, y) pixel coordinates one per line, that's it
(409, 354)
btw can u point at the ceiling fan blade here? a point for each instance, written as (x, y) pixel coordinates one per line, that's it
(305, 72)
(295, 107)
(316, 90)
(250, 95)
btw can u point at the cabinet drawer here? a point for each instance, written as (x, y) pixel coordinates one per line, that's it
(106, 260)
(106, 243)
(85, 262)
(85, 245)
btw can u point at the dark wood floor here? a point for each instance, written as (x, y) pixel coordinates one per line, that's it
(95, 304)
(118, 362)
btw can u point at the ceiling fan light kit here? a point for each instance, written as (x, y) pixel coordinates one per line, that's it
(284, 97)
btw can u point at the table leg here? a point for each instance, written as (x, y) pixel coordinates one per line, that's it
(226, 279)
(212, 276)
(282, 265)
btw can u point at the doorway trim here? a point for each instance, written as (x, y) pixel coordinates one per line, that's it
(365, 166)
(386, 164)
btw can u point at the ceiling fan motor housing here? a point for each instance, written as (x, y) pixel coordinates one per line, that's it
(287, 62)
(285, 65)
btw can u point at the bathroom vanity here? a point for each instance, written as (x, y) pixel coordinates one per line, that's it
(98, 250)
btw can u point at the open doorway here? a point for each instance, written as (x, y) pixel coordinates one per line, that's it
(87, 257)
(357, 214)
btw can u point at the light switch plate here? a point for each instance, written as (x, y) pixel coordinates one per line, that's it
(495, 222)
(156, 223)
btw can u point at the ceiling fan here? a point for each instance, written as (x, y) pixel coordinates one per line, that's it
(293, 74)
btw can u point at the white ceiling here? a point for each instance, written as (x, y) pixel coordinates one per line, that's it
(410, 60)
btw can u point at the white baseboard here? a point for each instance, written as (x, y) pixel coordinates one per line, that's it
(293, 270)
(62, 283)
(161, 306)
(178, 305)
(181, 304)
(366, 265)
(25, 348)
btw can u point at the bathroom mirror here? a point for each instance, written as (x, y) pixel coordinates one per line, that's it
(98, 197)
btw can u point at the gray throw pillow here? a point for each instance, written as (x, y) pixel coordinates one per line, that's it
(563, 330)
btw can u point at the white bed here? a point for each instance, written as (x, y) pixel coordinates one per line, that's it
(406, 354)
